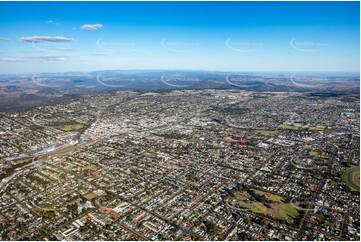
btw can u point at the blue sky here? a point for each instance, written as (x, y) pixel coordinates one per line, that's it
(227, 36)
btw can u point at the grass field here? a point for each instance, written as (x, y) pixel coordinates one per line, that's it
(351, 177)
(258, 208)
(71, 127)
(285, 211)
(317, 154)
(149, 154)
(298, 126)
(284, 126)
(21, 130)
(47, 206)
(277, 209)
(90, 196)
(271, 197)
(89, 167)
(21, 161)
(318, 128)
(195, 140)
(267, 132)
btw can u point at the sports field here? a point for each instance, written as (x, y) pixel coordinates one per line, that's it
(71, 127)
(351, 177)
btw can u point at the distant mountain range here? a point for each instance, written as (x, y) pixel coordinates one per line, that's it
(23, 91)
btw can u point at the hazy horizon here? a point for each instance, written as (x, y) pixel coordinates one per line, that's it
(331, 73)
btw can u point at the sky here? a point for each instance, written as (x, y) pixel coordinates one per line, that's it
(221, 36)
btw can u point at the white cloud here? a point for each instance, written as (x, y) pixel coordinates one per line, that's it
(33, 58)
(49, 21)
(4, 39)
(39, 39)
(91, 26)
(55, 59)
